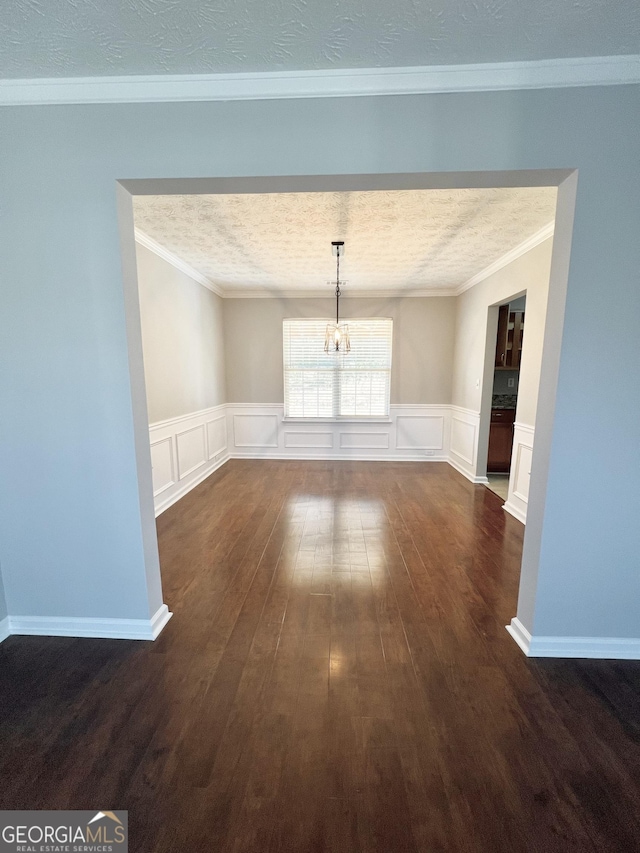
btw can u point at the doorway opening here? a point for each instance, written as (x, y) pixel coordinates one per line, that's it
(466, 422)
(504, 394)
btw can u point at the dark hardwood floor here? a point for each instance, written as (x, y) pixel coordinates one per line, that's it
(336, 677)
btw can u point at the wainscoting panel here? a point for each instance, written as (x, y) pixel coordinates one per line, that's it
(309, 440)
(410, 433)
(523, 472)
(191, 445)
(364, 440)
(463, 435)
(255, 430)
(217, 435)
(463, 454)
(521, 457)
(162, 464)
(420, 432)
(184, 451)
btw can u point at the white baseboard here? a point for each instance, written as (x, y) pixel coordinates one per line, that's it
(120, 629)
(602, 648)
(4, 629)
(175, 496)
(461, 470)
(355, 457)
(515, 511)
(520, 634)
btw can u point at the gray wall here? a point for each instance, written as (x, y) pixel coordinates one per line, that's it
(529, 272)
(422, 344)
(3, 603)
(71, 527)
(182, 340)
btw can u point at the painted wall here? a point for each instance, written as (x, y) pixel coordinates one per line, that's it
(71, 526)
(3, 603)
(182, 340)
(423, 331)
(531, 273)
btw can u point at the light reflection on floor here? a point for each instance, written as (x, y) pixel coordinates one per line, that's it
(329, 535)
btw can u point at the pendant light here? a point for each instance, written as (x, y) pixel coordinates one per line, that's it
(337, 336)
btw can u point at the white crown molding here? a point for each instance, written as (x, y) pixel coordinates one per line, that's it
(173, 259)
(323, 294)
(530, 243)
(325, 83)
(4, 629)
(603, 648)
(119, 629)
(170, 257)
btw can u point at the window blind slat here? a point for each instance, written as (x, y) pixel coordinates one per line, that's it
(333, 385)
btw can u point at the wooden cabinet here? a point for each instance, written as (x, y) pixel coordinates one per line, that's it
(500, 441)
(509, 340)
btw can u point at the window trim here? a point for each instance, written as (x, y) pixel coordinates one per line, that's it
(345, 419)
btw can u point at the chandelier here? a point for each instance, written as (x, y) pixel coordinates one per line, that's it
(337, 336)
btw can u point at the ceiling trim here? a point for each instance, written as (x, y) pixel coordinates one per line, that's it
(530, 243)
(328, 294)
(175, 261)
(325, 83)
(265, 293)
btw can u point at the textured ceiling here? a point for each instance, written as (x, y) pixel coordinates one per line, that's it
(402, 240)
(71, 38)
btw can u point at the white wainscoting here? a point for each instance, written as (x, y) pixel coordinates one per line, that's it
(184, 451)
(518, 497)
(410, 433)
(463, 456)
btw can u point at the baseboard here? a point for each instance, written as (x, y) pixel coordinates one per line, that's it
(520, 635)
(120, 629)
(471, 477)
(4, 629)
(333, 457)
(190, 484)
(601, 648)
(515, 511)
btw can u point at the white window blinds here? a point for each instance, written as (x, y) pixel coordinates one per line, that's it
(332, 385)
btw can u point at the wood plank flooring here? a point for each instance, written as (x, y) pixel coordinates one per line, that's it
(336, 677)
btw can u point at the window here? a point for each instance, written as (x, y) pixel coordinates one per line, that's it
(331, 385)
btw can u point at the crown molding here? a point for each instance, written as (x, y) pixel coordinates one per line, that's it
(530, 243)
(264, 293)
(323, 294)
(175, 261)
(325, 83)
